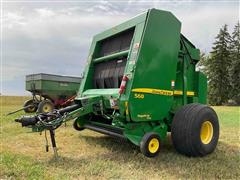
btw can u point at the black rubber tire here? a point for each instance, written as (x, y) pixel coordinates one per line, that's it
(42, 106)
(144, 144)
(77, 126)
(186, 130)
(30, 109)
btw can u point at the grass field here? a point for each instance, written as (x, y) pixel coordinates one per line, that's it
(89, 155)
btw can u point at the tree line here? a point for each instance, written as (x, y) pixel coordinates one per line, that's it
(222, 67)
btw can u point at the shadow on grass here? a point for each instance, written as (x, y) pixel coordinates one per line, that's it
(222, 163)
(119, 145)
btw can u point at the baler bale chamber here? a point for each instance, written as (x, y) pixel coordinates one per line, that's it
(140, 83)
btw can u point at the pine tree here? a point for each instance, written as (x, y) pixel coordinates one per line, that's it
(234, 69)
(217, 69)
(202, 64)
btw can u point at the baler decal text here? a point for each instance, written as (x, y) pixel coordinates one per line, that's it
(162, 92)
(153, 91)
(139, 96)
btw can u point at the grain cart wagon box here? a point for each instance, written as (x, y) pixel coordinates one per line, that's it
(140, 83)
(50, 91)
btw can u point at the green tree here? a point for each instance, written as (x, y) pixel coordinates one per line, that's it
(202, 64)
(217, 69)
(234, 69)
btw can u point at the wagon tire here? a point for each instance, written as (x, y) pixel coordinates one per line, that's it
(195, 130)
(45, 106)
(30, 109)
(77, 126)
(150, 144)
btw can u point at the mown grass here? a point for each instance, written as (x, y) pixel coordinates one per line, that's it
(89, 155)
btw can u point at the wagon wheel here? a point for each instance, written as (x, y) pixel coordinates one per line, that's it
(45, 106)
(30, 109)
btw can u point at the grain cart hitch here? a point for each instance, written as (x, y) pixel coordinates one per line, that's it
(24, 108)
(53, 120)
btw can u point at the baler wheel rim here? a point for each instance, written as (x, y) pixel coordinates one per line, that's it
(206, 132)
(77, 126)
(153, 145)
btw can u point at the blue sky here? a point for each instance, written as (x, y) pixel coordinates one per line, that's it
(54, 36)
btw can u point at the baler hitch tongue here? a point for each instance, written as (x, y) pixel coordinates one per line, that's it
(31, 121)
(50, 121)
(27, 120)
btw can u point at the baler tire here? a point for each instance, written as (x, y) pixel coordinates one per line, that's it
(195, 130)
(76, 126)
(150, 140)
(31, 109)
(45, 106)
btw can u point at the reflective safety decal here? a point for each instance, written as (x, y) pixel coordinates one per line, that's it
(172, 84)
(190, 93)
(126, 106)
(176, 92)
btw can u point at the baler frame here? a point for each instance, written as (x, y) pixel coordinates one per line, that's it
(139, 83)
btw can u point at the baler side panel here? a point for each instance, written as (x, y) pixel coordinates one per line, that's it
(201, 87)
(131, 65)
(156, 67)
(88, 72)
(189, 56)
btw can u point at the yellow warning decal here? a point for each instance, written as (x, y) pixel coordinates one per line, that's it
(190, 93)
(176, 92)
(162, 92)
(126, 106)
(153, 91)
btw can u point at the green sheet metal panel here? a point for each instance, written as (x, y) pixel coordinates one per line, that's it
(156, 66)
(52, 86)
(201, 87)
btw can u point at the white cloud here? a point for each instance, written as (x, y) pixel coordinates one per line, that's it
(55, 37)
(11, 19)
(45, 12)
(202, 25)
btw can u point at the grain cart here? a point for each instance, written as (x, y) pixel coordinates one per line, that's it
(140, 83)
(50, 91)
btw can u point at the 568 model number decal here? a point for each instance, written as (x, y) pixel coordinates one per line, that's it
(139, 96)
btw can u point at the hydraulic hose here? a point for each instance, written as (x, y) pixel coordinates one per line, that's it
(48, 117)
